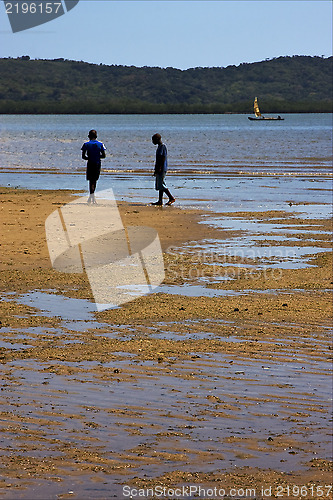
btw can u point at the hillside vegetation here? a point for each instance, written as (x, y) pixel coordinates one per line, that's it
(284, 84)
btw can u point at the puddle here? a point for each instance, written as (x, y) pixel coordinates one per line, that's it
(75, 314)
(215, 279)
(31, 332)
(10, 345)
(255, 226)
(192, 329)
(196, 291)
(201, 291)
(81, 318)
(215, 252)
(66, 308)
(169, 335)
(252, 244)
(312, 211)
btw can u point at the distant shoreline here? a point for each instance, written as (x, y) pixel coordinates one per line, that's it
(297, 84)
(160, 113)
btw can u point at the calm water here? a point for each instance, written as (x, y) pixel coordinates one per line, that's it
(214, 160)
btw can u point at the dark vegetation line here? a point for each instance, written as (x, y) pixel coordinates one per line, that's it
(283, 85)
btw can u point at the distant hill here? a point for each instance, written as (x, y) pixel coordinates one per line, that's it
(283, 84)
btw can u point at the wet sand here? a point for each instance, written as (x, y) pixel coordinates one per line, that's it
(221, 379)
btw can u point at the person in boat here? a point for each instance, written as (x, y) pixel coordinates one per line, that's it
(279, 117)
(161, 167)
(93, 151)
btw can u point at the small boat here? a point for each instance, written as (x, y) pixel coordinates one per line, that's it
(259, 116)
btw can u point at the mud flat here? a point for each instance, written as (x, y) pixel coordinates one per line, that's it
(218, 383)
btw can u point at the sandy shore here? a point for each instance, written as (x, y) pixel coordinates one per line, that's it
(227, 389)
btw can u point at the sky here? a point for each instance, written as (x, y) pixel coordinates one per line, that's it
(180, 34)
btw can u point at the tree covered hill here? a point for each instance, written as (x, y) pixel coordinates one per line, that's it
(283, 84)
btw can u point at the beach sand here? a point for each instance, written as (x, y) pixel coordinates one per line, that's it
(228, 391)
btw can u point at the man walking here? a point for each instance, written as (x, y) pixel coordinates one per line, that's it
(93, 151)
(161, 167)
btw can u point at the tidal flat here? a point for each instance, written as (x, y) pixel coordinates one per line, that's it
(220, 377)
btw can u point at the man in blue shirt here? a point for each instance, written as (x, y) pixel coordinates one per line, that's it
(93, 151)
(161, 167)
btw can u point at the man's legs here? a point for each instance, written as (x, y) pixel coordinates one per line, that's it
(169, 195)
(160, 198)
(161, 188)
(92, 187)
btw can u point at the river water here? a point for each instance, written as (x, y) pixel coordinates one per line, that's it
(216, 162)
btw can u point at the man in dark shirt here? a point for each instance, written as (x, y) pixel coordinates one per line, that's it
(161, 167)
(93, 151)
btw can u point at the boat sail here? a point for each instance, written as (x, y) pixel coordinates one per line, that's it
(256, 108)
(259, 116)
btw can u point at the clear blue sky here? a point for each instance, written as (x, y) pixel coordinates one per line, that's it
(181, 34)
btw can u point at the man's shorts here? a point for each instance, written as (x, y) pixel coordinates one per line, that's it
(160, 182)
(93, 171)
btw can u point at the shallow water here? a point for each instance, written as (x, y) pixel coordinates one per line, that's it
(217, 162)
(40, 152)
(214, 141)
